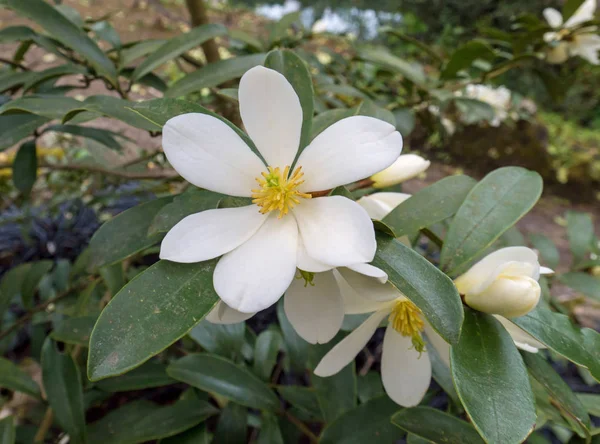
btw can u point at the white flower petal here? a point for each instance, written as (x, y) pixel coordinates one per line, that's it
(584, 13)
(522, 339)
(315, 311)
(370, 270)
(405, 373)
(272, 115)
(369, 287)
(553, 17)
(404, 168)
(336, 230)
(307, 263)
(211, 233)
(546, 270)
(206, 152)
(346, 350)
(379, 205)
(586, 46)
(355, 303)
(441, 346)
(351, 149)
(257, 273)
(224, 314)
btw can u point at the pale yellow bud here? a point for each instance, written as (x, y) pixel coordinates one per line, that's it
(558, 54)
(405, 167)
(508, 296)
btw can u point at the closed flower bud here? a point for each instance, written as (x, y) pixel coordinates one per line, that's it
(405, 167)
(509, 296)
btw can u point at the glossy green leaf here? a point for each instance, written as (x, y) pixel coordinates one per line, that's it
(424, 284)
(436, 426)
(219, 375)
(214, 74)
(7, 430)
(113, 277)
(295, 347)
(266, 350)
(25, 167)
(296, 72)
(580, 232)
(105, 137)
(148, 375)
(369, 386)
(65, 31)
(464, 56)
(176, 46)
(151, 312)
(75, 331)
(16, 33)
(370, 109)
(430, 205)
(549, 254)
(221, 339)
(140, 421)
(555, 330)
(36, 272)
(192, 201)
(591, 402)
(13, 378)
(494, 205)
(280, 28)
(139, 49)
(231, 428)
(105, 31)
(583, 283)
(327, 118)
(16, 127)
(195, 435)
(14, 79)
(492, 381)
(62, 382)
(303, 398)
(369, 422)
(382, 57)
(11, 284)
(561, 394)
(126, 234)
(52, 73)
(253, 42)
(269, 430)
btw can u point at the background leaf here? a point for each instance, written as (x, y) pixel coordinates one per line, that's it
(231, 428)
(436, 426)
(13, 378)
(7, 430)
(580, 232)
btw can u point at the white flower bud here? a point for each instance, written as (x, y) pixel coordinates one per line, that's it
(557, 54)
(509, 296)
(405, 167)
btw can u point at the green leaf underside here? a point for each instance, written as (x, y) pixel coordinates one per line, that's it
(436, 426)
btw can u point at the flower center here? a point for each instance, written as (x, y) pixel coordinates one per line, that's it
(406, 320)
(278, 191)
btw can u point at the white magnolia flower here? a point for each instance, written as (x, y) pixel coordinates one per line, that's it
(498, 98)
(405, 364)
(263, 243)
(571, 39)
(404, 168)
(379, 205)
(505, 284)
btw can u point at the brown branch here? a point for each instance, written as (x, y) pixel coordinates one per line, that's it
(198, 17)
(161, 174)
(44, 426)
(314, 439)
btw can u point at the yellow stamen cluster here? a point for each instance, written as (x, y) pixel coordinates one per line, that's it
(406, 319)
(278, 191)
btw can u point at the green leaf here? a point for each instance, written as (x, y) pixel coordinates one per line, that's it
(370, 109)
(25, 168)
(492, 207)
(65, 31)
(436, 426)
(430, 205)
(7, 430)
(140, 421)
(295, 347)
(405, 120)
(231, 428)
(13, 79)
(464, 56)
(380, 56)
(192, 201)
(581, 346)
(52, 73)
(35, 274)
(569, 8)
(328, 118)
(548, 251)
(222, 339)
(424, 284)
(151, 312)
(561, 394)
(270, 432)
(303, 398)
(369, 422)
(580, 231)
(16, 127)
(583, 283)
(113, 277)
(280, 28)
(369, 386)
(148, 375)
(254, 43)
(105, 137)
(62, 382)
(214, 74)
(491, 380)
(76, 331)
(219, 375)
(176, 46)
(16, 34)
(474, 111)
(266, 350)
(591, 403)
(139, 49)
(125, 234)
(11, 285)
(195, 435)
(296, 72)
(13, 378)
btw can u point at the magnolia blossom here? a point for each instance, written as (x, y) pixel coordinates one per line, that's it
(404, 168)
(505, 284)
(284, 227)
(570, 38)
(405, 364)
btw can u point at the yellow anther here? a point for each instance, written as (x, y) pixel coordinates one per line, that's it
(278, 191)
(406, 319)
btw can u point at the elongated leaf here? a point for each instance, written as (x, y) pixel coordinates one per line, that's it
(550, 256)
(126, 234)
(382, 57)
(491, 208)
(7, 430)
(219, 375)
(75, 331)
(139, 49)
(591, 402)
(13, 79)
(562, 395)
(270, 433)
(369, 422)
(215, 74)
(231, 428)
(13, 378)
(303, 398)
(148, 375)
(491, 380)
(266, 349)
(25, 167)
(176, 46)
(105, 137)
(280, 28)
(430, 205)
(11, 285)
(195, 435)
(424, 284)
(16, 33)
(569, 8)
(32, 280)
(436, 426)
(53, 73)
(62, 382)
(222, 339)
(582, 282)
(69, 34)
(464, 56)
(295, 71)
(555, 330)
(580, 231)
(328, 118)
(141, 421)
(152, 311)
(295, 346)
(16, 127)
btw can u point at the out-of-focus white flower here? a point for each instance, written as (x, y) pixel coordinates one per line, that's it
(405, 364)
(262, 244)
(570, 39)
(498, 98)
(404, 168)
(319, 26)
(379, 205)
